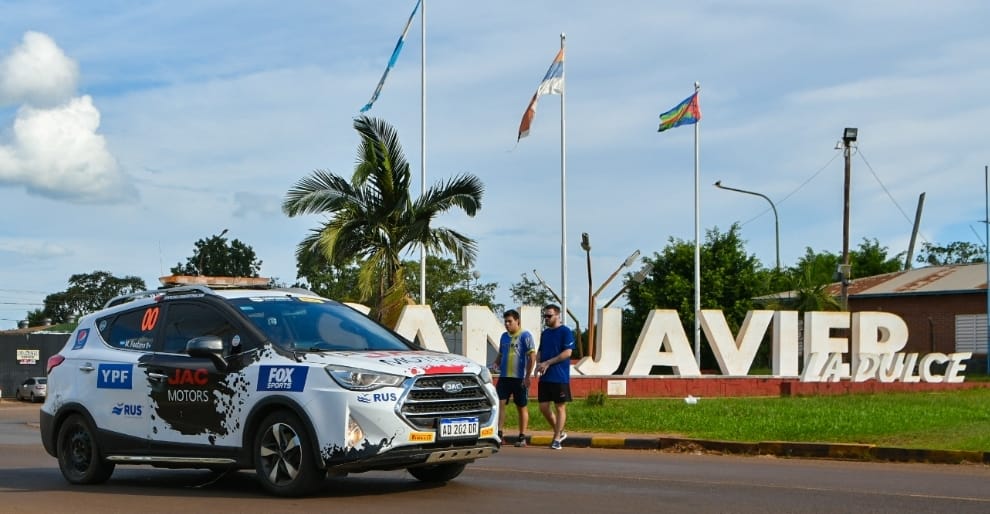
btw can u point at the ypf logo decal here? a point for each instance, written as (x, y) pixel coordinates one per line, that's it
(282, 378)
(114, 376)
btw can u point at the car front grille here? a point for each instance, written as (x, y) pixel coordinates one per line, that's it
(427, 401)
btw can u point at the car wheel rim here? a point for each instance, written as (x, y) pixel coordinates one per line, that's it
(80, 450)
(281, 454)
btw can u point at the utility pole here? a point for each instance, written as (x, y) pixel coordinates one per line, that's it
(849, 136)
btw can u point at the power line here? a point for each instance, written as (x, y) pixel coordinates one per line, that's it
(884, 187)
(798, 188)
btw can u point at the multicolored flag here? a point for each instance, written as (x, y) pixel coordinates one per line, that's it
(687, 112)
(391, 61)
(553, 84)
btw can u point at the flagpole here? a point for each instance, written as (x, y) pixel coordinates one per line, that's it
(422, 152)
(563, 191)
(697, 240)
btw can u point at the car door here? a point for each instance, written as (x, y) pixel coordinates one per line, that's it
(113, 375)
(195, 401)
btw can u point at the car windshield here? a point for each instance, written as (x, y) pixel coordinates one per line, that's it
(315, 325)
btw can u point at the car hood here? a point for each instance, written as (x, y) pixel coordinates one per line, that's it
(407, 363)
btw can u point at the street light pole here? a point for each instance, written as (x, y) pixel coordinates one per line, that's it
(590, 344)
(776, 220)
(849, 136)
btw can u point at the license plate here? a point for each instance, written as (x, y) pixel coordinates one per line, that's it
(458, 427)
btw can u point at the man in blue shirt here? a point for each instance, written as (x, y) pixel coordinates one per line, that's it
(516, 359)
(554, 369)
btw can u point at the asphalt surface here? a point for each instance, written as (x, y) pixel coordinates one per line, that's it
(812, 450)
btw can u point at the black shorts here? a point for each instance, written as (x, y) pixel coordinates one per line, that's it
(514, 387)
(554, 392)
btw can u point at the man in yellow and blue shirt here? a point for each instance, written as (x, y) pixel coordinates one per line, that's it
(516, 360)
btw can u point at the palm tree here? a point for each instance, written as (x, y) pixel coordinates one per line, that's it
(372, 219)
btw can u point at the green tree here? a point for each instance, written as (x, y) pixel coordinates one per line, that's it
(730, 280)
(530, 292)
(325, 279)
(959, 252)
(215, 257)
(88, 292)
(373, 218)
(449, 287)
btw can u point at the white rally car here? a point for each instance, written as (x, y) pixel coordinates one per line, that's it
(280, 380)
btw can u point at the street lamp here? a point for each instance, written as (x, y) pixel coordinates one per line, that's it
(638, 278)
(776, 220)
(849, 136)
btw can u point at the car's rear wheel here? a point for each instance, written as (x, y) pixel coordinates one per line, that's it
(17, 395)
(284, 456)
(438, 473)
(79, 456)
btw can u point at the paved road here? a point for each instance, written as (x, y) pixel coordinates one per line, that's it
(533, 479)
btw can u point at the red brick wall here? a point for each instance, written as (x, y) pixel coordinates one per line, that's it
(931, 319)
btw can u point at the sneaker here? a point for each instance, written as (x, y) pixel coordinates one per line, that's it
(563, 435)
(521, 442)
(556, 446)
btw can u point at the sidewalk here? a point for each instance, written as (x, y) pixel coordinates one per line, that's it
(845, 451)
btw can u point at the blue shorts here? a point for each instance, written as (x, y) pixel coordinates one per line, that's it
(514, 387)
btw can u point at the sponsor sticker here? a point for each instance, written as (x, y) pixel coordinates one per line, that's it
(81, 338)
(377, 397)
(114, 376)
(422, 437)
(282, 378)
(127, 410)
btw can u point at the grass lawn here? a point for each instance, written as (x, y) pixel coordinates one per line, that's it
(955, 420)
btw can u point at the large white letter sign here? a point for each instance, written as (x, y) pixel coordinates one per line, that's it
(735, 356)
(818, 340)
(608, 345)
(784, 355)
(663, 328)
(481, 328)
(417, 321)
(876, 333)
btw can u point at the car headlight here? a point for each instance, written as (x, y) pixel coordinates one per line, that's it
(357, 379)
(486, 376)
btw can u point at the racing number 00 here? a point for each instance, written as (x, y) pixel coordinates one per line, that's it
(150, 319)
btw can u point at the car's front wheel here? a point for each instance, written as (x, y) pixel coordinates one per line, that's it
(438, 473)
(284, 456)
(79, 456)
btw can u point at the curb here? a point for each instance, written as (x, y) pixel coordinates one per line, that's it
(808, 450)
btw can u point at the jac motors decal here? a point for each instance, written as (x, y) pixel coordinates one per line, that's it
(282, 378)
(189, 377)
(188, 395)
(128, 410)
(377, 397)
(114, 376)
(81, 338)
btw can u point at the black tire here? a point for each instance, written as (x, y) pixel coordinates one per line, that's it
(17, 395)
(438, 473)
(284, 456)
(79, 456)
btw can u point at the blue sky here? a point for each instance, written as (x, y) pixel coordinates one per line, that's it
(129, 130)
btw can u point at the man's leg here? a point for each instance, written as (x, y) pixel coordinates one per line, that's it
(558, 428)
(551, 419)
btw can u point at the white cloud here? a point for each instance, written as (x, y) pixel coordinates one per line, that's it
(57, 153)
(55, 150)
(37, 73)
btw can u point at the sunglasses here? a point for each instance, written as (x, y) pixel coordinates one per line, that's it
(548, 316)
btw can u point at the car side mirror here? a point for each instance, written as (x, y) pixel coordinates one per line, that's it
(210, 347)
